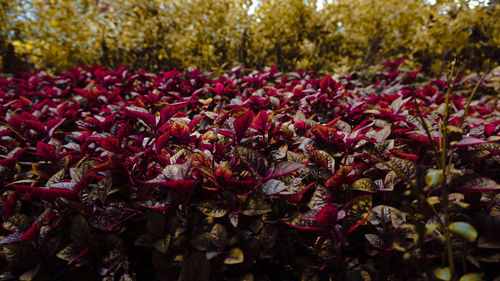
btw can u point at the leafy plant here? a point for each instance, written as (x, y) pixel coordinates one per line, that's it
(115, 175)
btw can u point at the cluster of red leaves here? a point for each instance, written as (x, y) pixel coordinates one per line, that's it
(136, 176)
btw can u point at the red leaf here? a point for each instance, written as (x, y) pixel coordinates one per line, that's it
(394, 64)
(235, 112)
(35, 125)
(169, 110)
(424, 139)
(324, 83)
(340, 177)
(148, 118)
(411, 76)
(195, 121)
(161, 141)
(223, 172)
(283, 168)
(9, 206)
(407, 156)
(53, 124)
(180, 131)
(180, 186)
(489, 129)
(219, 89)
(328, 215)
(33, 232)
(112, 144)
(323, 132)
(260, 121)
(48, 194)
(46, 151)
(242, 123)
(296, 198)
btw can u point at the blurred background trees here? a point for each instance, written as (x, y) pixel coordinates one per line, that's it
(336, 36)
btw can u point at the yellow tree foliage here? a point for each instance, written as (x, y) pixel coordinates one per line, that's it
(338, 36)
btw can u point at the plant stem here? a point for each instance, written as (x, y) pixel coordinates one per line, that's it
(426, 128)
(467, 106)
(445, 187)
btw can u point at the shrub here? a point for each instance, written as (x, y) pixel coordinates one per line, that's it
(252, 175)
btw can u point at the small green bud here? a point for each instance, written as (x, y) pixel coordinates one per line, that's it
(434, 177)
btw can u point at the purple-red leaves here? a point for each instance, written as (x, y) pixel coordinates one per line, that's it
(394, 64)
(283, 168)
(223, 172)
(252, 150)
(48, 194)
(46, 151)
(328, 215)
(180, 131)
(141, 113)
(340, 177)
(242, 123)
(181, 186)
(112, 144)
(169, 110)
(219, 89)
(260, 122)
(235, 112)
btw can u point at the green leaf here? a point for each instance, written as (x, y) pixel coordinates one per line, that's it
(156, 223)
(17, 223)
(408, 168)
(57, 177)
(323, 159)
(30, 274)
(383, 147)
(43, 169)
(472, 277)
(69, 253)
(443, 273)
(464, 229)
(357, 211)
(80, 172)
(433, 200)
(126, 277)
(272, 187)
(162, 244)
(219, 236)
(431, 228)
(254, 159)
(212, 210)
(309, 274)
(381, 215)
(365, 184)
(80, 231)
(234, 256)
(195, 268)
(202, 242)
(256, 206)
(145, 240)
(434, 177)
(246, 277)
(319, 197)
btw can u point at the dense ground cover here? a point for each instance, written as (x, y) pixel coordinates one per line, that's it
(253, 175)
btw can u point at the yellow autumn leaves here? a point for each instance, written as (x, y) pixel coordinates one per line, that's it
(340, 37)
